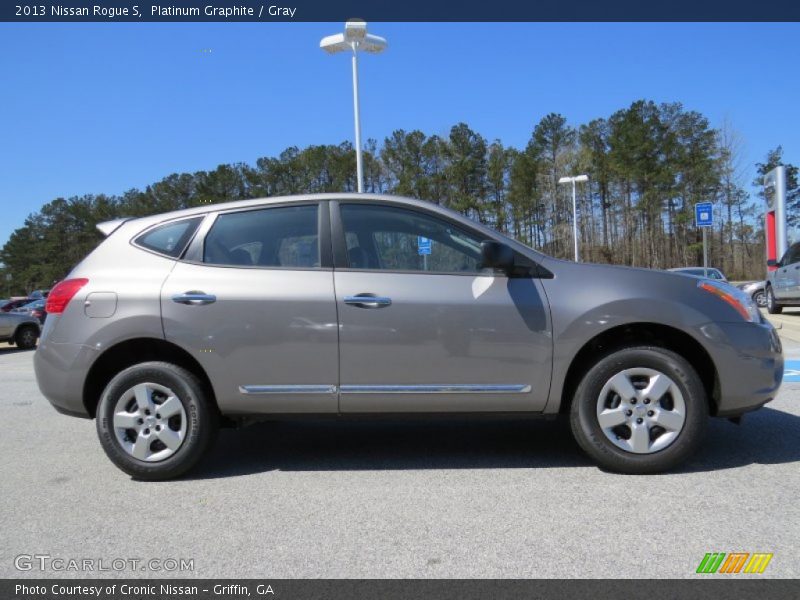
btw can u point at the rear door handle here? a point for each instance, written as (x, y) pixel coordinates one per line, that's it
(368, 301)
(194, 298)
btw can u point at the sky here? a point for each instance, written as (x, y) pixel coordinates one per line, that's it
(106, 107)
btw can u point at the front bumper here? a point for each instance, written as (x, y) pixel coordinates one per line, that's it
(749, 362)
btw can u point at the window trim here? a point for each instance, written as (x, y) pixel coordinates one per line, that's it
(194, 253)
(340, 262)
(135, 239)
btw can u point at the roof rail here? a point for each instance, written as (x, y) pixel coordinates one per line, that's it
(109, 227)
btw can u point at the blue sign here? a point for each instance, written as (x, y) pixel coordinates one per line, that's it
(424, 245)
(791, 371)
(704, 214)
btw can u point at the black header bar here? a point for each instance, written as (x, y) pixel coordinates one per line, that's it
(142, 11)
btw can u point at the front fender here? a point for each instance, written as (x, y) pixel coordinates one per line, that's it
(573, 330)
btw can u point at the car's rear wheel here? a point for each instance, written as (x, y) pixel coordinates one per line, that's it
(26, 336)
(640, 410)
(773, 307)
(155, 421)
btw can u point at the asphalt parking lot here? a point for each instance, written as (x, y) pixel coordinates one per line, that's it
(373, 499)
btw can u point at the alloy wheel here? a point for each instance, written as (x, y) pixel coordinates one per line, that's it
(27, 338)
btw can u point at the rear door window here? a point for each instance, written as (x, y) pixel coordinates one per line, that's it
(281, 236)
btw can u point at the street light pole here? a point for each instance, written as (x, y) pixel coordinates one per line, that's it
(357, 116)
(573, 180)
(355, 39)
(574, 219)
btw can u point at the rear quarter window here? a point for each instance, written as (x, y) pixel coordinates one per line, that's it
(171, 238)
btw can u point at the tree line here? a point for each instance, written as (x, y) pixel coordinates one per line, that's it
(648, 165)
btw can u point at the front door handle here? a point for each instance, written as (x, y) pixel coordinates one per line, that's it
(368, 301)
(194, 298)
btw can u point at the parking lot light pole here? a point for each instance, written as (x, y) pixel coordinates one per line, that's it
(573, 180)
(355, 39)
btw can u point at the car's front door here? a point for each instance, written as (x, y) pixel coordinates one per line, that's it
(793, 274)
(254, 304)
(787, 275)
(422, 328)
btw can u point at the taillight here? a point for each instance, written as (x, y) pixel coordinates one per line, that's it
(62, 293)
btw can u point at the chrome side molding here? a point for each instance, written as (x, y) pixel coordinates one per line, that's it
(287, 389)
(449, 388)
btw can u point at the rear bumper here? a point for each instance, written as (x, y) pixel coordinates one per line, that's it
(61, 370)
(749, 362)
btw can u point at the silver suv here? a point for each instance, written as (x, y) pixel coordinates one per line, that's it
(783, 281)
(19, 329)
(360, 304)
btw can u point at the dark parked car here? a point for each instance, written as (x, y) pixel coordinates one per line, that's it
(10, 305)
(34, 309)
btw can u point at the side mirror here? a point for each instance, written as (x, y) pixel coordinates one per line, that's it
(495, 255)
(772, 263)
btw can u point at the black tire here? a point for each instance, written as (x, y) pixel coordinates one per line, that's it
(592, 439)
(26, 336)
(201, 427)
(773, 307)
(760, 298)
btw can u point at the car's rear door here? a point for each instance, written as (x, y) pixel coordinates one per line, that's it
(7, 324)
(423, 328)
(253, 302)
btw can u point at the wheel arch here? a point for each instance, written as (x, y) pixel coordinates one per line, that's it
(641, 334)
(133, 351)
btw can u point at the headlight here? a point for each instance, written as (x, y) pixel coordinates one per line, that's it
(735, 297)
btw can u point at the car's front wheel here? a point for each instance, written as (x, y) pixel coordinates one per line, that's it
(155, 421)
(760, 298)
(773, 307)
(640, 410)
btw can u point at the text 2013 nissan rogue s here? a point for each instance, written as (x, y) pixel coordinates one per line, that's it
(355, 303)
